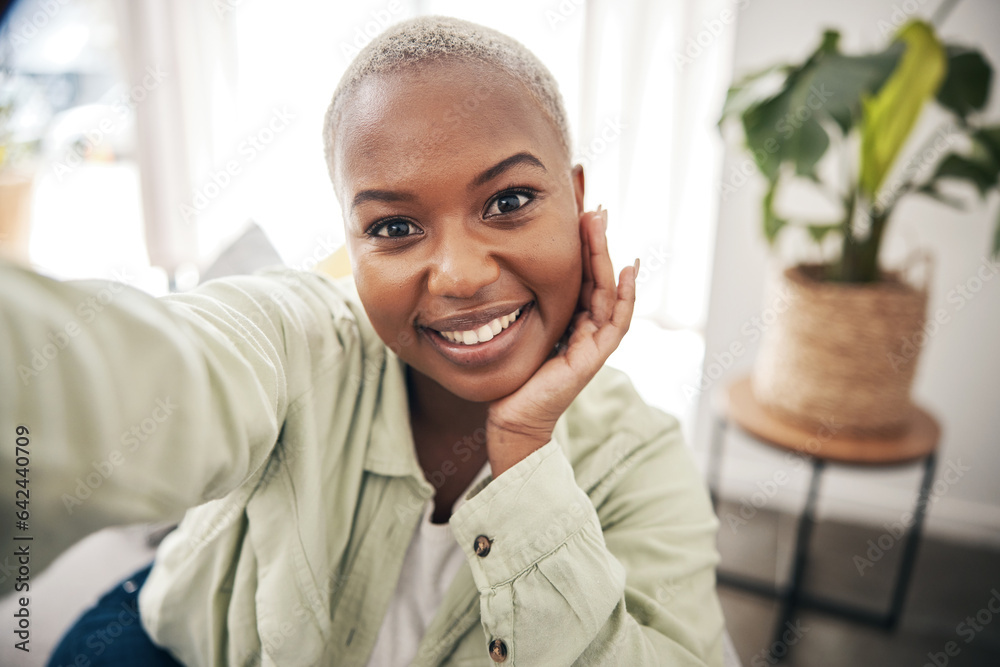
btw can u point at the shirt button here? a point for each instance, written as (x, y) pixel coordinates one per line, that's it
(498, 650)
(482, 546)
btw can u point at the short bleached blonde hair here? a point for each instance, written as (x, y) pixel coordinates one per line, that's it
(426, 39)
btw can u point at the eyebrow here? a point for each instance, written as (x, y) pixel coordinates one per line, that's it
(500, 167)
(486, 176)
(380, 195)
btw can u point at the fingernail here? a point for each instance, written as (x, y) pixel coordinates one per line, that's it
(636, 265)
(598, 208)
(604, 217)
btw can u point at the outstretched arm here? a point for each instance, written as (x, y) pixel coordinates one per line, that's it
(130, 408)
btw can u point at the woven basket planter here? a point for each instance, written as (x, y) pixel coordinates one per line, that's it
(841, 355)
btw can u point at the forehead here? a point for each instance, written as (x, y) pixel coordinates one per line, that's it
(397, 126)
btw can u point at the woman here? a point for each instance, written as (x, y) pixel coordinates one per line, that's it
(425, 465)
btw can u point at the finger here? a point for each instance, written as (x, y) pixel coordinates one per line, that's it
(610, 335)
(583, 354)
(583, 328)
(587, 281)
(604, 293)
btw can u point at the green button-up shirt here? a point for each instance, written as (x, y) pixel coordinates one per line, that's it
(267, 412)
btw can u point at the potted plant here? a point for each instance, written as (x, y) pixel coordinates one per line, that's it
(836, 352)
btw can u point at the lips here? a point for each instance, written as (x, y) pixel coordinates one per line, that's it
(474, 320)
(484, 333)
(478, 351)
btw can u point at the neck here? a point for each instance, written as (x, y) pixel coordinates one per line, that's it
(434, 408)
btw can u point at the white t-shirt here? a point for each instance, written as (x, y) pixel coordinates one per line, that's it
(430, 565)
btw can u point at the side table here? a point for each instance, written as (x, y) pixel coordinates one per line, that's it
(917, 444)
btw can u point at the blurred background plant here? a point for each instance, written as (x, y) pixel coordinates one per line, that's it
(20, 141)
(66, 138)
(19, 136)
(861, 110)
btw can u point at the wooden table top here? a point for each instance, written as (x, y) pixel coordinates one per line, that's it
(918, 440)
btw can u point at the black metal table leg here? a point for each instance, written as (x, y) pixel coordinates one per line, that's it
(912, 542)
(792, 594)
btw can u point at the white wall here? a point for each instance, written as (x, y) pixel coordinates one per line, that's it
(958, 378)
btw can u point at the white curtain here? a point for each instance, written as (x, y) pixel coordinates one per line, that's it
(180, 58)
(658, 71)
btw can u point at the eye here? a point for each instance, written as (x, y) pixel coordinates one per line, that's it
(505, 202)
(395, 228)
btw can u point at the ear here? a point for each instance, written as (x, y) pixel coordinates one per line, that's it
(578, 187)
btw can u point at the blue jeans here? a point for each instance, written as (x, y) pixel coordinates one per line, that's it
(110, 633)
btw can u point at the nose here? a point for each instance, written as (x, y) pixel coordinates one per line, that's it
(461, 265)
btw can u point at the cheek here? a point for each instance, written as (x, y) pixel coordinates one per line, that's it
(558, 253)
(386, 292)
(552, 259)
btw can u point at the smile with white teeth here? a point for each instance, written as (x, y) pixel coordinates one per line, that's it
(483, 333)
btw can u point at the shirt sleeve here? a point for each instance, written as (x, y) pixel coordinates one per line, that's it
(119, 407)
(558, 589)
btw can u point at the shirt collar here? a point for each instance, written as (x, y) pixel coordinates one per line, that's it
(391, 449)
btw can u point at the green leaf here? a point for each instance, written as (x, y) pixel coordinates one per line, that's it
(772, 223)
(980, 167)
(889, 116)
(819, 232)
(830, 42)
(784, 128)
(808, 146)
(762, 139)
(841, 81)
(983, 176)
(930, 189)
(765, 127)
(988, 140)
(966, 86)
(749, 90)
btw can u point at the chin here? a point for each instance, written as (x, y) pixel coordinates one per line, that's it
(485, 390)
(475, 387)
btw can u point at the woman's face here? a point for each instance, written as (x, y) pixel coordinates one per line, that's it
(461, 209)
